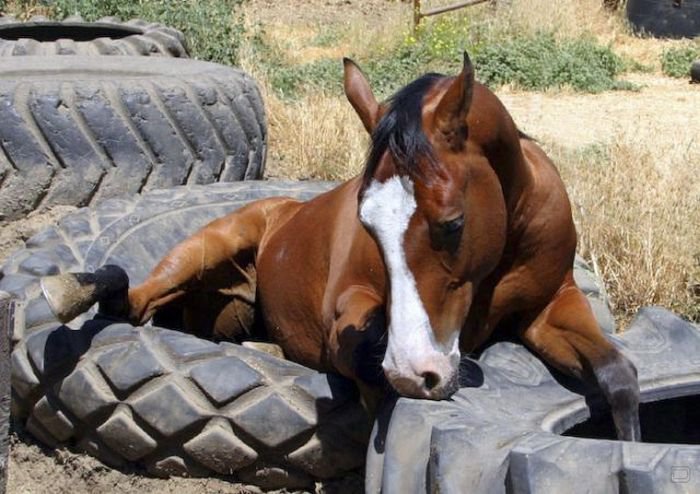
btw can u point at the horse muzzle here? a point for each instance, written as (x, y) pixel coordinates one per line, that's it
(435, 378)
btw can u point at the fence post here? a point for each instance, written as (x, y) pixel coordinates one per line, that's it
(7, 308)
(416, 14)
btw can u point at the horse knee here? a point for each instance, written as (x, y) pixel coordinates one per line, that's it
(357, 350)
(140, 306)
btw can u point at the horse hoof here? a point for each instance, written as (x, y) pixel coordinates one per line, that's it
(71, 294)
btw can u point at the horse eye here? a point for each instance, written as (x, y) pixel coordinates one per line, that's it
(447, 234)
(452, 226)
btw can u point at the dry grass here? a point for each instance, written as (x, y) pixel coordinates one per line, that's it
(315, 137)
(331, 30)
(24, 9)
(636, 209)
(567, 18)
(305, 43)
(318, 135)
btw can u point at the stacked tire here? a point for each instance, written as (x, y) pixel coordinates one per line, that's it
(170, 402)
(73, 36)
(519, 427)
(92, 111)
(173, 403)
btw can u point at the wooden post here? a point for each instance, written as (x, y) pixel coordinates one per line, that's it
(7, 308)
(416, 14)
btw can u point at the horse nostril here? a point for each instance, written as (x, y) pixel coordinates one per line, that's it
(430, 380)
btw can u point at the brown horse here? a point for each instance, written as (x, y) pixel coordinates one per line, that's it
(459, 227)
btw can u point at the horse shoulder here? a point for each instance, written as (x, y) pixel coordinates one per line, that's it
(302, 267)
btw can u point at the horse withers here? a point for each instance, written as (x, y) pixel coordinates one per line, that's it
(459, 228)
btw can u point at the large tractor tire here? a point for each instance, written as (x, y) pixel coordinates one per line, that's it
(74, 36)
(79, 130)
(695, 72)
(173, 403)
(665, 18)
(518, 427)
(169, 401)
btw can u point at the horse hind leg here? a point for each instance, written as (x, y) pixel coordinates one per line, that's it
(208, 280)
(566, 335)
(219, 306)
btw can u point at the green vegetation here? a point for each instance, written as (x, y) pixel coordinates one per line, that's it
(213, 29)
(676, 62)
(541, 62)
(327, 37)
(529, 61)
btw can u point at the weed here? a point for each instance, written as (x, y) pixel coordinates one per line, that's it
(676, 62)
(327, 37)
(541, 62)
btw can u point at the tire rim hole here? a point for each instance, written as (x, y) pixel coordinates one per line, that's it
(54, 32)
(674, 420)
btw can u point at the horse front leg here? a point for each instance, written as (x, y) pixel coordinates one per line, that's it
(357, 343)
(566, 335)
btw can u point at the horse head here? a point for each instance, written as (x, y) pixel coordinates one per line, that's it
(434, 206)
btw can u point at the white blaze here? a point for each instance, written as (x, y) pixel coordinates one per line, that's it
(387, 209)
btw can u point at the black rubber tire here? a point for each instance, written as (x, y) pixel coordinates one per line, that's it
(695, 72)
(77, 130)
(665, 18)
(155, 396)
(74, 36)
(6, 316)
(504, 435)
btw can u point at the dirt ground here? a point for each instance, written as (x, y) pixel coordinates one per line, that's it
(34, 470)
(664, 109)
(37, 470)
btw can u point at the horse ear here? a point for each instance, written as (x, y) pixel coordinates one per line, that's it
(453, 108)
(360, 95)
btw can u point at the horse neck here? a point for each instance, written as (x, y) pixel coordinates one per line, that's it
(510, 167)
(508, 162)
(499, 139)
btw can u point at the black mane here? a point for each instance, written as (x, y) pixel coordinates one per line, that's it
(400, 130)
